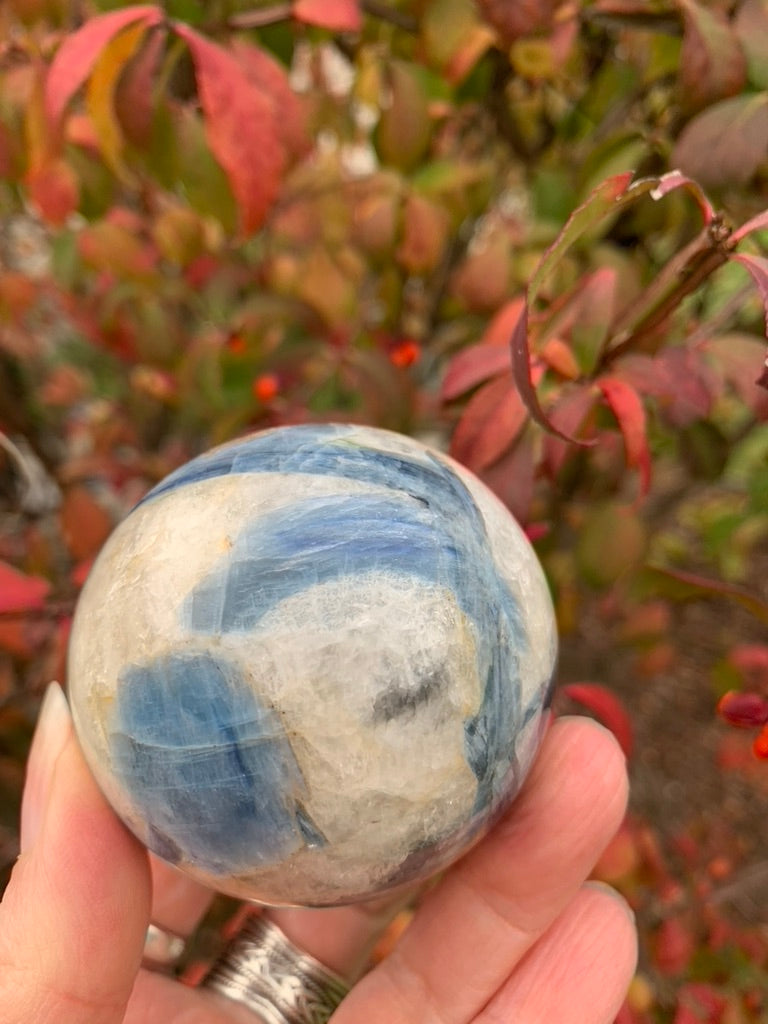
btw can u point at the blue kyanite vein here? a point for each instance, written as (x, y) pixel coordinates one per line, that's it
(429, 529)
(205, 759)
(312, 665)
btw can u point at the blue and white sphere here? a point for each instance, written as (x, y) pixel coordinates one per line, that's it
(313, 665)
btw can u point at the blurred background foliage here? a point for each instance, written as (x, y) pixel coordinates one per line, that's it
(223, 216)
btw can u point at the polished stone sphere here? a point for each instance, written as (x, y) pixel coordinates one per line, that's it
(313, 665)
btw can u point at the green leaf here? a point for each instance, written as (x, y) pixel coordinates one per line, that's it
(405, 127)
(751, 25)
(611, 544)
(196, 175)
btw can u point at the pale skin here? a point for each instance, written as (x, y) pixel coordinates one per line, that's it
(514, 933)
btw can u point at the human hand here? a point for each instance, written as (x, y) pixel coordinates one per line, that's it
(511, 933)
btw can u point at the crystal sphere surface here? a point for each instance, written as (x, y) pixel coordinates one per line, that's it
(313, 665)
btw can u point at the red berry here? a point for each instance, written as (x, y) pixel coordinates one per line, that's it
(266, 387)
(405, 353)
(760, 746)
(743, 709)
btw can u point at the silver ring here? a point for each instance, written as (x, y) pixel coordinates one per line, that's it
(162, 949)
(263, 970)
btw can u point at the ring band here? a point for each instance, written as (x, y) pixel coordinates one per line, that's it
(162, 949)
(263, 970)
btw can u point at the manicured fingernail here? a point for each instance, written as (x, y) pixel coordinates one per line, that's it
(594, 883)
(54, 727)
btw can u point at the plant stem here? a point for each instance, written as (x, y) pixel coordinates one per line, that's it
(684, 273)
(384, 12)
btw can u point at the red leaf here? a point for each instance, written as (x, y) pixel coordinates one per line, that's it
(569, 416)
(726, 143)
(678, 378)
(523, 374)
(84, 522)
(19, 592)
(712, 63)
(133, 100)
(241, 128)
(604, 201)
(629, 411)
(519, 18)
(271, 79)
(336, 15)
(25, 638)
(587, 316)
(674, 946)
(607, 708)
(757, 223)
(53, 190)
(699, 1003)
(503, 323)
(471, 367)
(745, 710)
(511, 480)
(676, 179)
(490, 423)
(78, 53)
(607, 198)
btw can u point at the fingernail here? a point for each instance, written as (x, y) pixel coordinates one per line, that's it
(54, 726)
(597, 725)
(594, 883)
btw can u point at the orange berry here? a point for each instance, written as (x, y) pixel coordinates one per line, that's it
(405, 354)
(266, 387)
(236, 344)
(760, 746)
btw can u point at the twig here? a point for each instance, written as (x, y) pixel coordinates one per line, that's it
(384, 12)
(668, 22)
(678, 279)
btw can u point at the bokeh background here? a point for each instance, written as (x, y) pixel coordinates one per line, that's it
(458, 220)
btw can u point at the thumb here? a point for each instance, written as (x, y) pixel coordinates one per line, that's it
(75, 912)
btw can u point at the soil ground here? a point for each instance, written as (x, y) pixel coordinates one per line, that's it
(691, 775)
